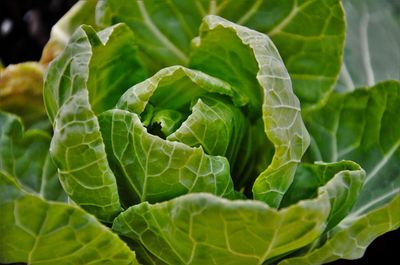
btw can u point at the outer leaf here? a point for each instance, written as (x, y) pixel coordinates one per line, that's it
(372, 52)
(312, 51)
(36, 231)
(205, 229)
(309, 35)
(152, 169)
(26, 156)
(77, 148)
(142, 254)
(89, 63)
(350, 240)
(253, 53)
(363, 126)
(10, 127)
(81, 82)
(343, 190)
(200, 228)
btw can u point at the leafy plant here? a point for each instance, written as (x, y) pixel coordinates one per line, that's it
(176, 125)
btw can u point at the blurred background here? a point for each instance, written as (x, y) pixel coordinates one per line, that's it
(24, 29)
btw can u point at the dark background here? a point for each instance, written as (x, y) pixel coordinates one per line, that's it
(25, 26)
(29, 24)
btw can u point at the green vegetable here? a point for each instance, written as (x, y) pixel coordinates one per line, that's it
(176, 124)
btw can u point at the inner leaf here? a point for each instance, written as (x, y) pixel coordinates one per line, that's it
(152, 169)
(165, 122)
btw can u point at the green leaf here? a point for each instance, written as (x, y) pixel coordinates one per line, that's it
(164, 29)
(89, 63)
(78, 150)
(205, 229)
(265, 78)
(168, 120)
(346, 180)
(37, 231)
(362, 126)
(308, 33)
(142, 254)
(83, 81)
(26, 156)
(349, 240)
(152, 169)
(372, 52)
(216, 125)
(10, 129)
